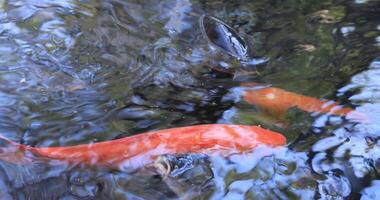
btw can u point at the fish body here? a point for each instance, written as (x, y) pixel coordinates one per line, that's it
(141, 149)
(277, 102)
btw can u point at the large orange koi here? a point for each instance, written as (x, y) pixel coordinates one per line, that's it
(138, 150)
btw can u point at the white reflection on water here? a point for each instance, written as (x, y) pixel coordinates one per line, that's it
(346, 30)
(372, 192)
(355, 146)
(368, 99)
(361, 1)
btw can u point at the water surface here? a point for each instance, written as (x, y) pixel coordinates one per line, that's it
(75, 72)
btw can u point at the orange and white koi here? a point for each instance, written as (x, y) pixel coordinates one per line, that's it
(139, 150)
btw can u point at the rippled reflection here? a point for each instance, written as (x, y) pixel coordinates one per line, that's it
(82, 71)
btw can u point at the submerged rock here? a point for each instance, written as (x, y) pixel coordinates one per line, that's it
(223, 36)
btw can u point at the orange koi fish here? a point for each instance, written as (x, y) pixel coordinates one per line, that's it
(136, 151)
(277, 102)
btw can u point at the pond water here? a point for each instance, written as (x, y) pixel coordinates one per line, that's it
(83, 71)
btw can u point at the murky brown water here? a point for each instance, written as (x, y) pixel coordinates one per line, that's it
(75, 72)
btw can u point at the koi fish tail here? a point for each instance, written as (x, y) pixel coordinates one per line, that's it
(6, 143)
(12, 152)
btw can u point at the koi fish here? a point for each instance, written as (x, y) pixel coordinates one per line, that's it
(277, 102)
(139, 150)
(274, 100)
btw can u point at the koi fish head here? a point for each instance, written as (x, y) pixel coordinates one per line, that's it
(241, 137)
(251, 136)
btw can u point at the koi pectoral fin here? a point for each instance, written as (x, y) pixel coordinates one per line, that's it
(176, 165)
(187, 175)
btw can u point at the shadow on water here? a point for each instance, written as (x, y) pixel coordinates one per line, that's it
(75, 72)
